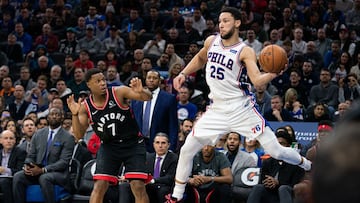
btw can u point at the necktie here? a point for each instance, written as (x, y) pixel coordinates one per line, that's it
(157, 167)
(44, 162)
(146, 119)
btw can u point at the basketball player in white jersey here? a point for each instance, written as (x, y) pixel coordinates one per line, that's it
(228, 63)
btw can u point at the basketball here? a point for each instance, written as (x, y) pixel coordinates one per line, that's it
(273, 58)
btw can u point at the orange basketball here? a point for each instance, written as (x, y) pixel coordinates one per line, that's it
(273, 58)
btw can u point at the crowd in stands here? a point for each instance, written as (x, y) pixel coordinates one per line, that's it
(46, 47)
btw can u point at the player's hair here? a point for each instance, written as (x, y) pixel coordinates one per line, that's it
(234, 12)
(90, 73)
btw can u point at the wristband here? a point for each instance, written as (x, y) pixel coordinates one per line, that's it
(183, 74)
(75, 114)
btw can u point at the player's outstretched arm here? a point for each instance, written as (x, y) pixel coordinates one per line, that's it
(248, 56)
(198, 62)
(79, 117)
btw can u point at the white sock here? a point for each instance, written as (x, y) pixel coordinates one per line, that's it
(179, 190)
(306, 164)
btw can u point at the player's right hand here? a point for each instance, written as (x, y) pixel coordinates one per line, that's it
(178, 81)
(74, 107)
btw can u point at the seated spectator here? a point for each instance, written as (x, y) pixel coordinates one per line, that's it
(110, 58)
(101, 28)
(293, 105)
(55, 102)
(13, 50)
(89, 42)
(220, 144)
(317, 113)
(155, 46)
(342, 109)
(263, 99)
(297, 84)
(162, 166)
(41, 123)
(174, 71)
(12, 160)
(38, 96)
(48, 39)
(19, 106)
(112, 77)
(277, 177)
(185, 128)
(63, 90)
(353, 91)
(114, 42)
(126, 73)
(253, 147)
(133, 23)
(28, 130)
(78, 83)
(173, 57)
(132, 43)
(55, 75)
(189, 34)
(162, 65)
(84, 60)
(23, 37)
(309, 77)
(7, 90)
(46, 165)
(277, 112)
(68, 70)
(25, 80)
(240, 161)
(185, 109)
(325, 92)
(211, 177)
(68, 45)
(340, 68)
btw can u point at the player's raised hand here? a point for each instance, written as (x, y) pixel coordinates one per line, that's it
(178, 81)
(136, 85)
(73, 105)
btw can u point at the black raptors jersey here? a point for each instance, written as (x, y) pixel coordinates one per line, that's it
(112, 121)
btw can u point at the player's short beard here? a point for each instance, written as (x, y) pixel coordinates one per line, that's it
(229, 34)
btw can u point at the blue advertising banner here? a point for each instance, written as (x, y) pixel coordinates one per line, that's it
(304, 132)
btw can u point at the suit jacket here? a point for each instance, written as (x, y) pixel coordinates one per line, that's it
(242, 160)
(164, 118)
(16, 159)
(18, 114)
(60, 151)
(168, 168)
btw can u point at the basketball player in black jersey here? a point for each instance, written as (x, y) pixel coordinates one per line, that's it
(111, 118)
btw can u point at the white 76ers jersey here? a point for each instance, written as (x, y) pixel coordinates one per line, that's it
(225, 74)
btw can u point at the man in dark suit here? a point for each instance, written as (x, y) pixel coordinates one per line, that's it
(18, 108)
(48, 159)
(165, 161)
(162, 180)
(162, 113)
(12, 159)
